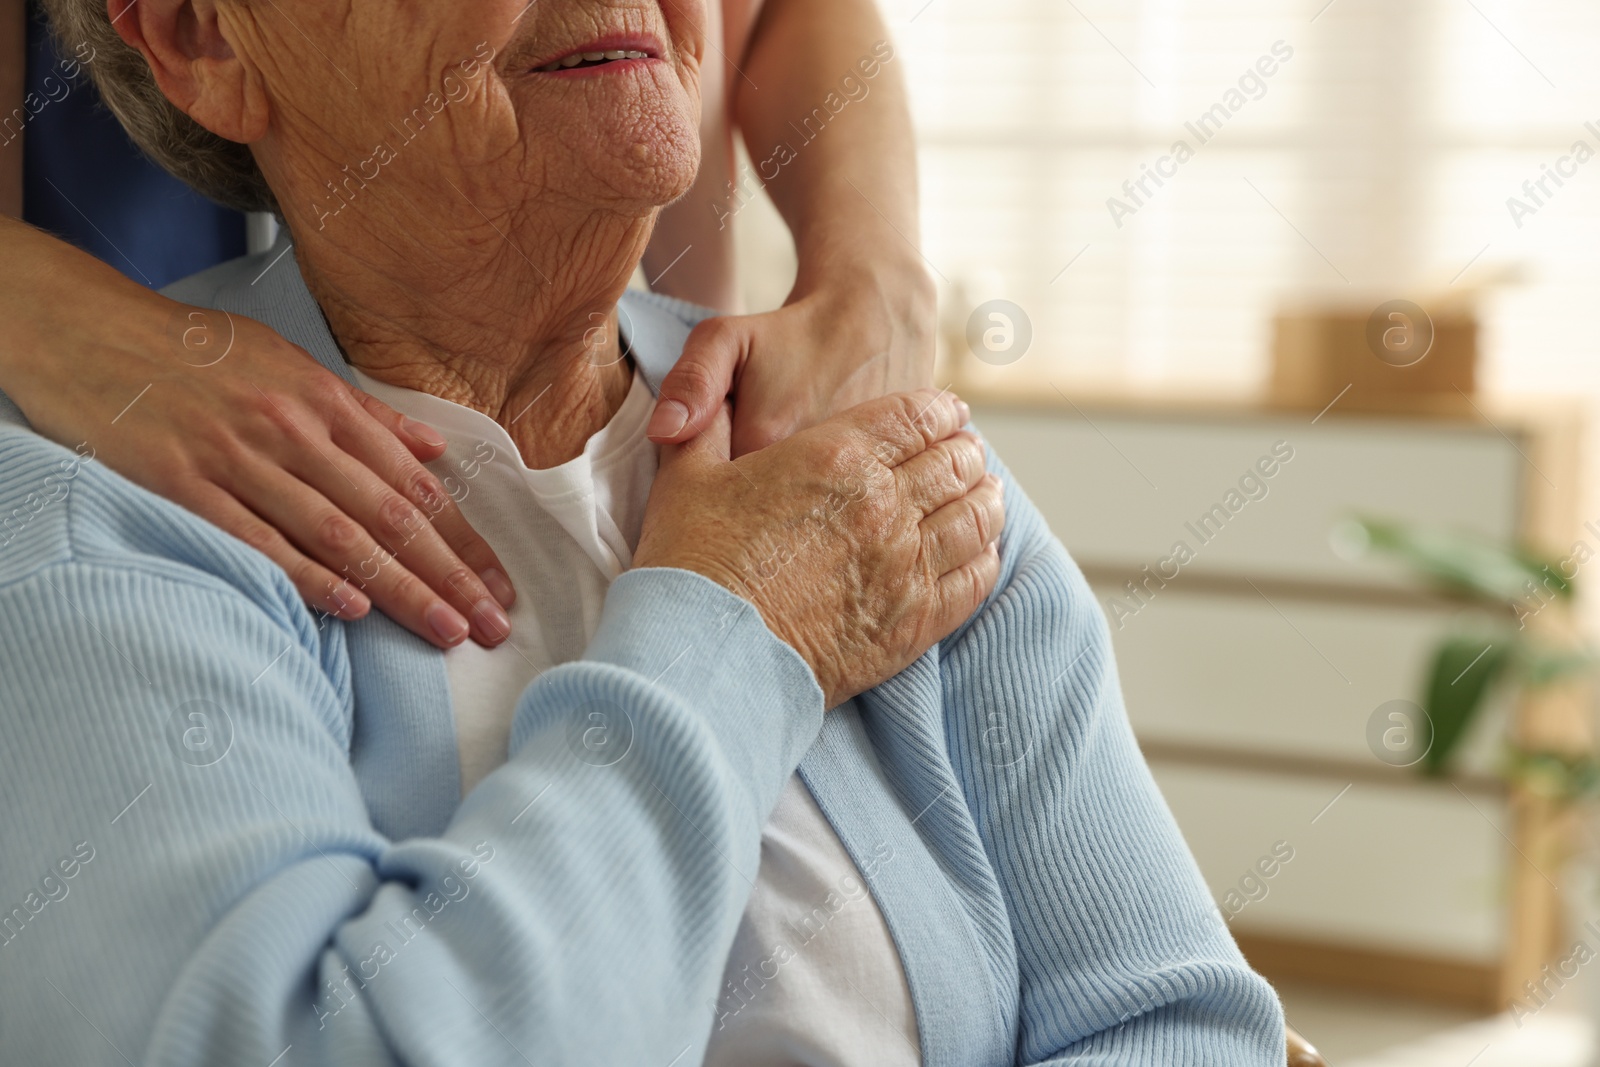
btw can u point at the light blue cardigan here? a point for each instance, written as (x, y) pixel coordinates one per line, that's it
(233, 829)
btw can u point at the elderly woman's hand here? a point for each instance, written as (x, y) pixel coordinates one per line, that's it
(863, 541)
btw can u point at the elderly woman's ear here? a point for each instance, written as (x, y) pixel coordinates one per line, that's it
(189, 45)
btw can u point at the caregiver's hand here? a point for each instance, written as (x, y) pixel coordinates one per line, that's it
(220, 414)
(859, 335)
(862, 541)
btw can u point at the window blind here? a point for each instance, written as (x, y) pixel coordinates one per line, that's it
(1375, 160)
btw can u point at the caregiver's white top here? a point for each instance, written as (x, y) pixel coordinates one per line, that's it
(814, 979)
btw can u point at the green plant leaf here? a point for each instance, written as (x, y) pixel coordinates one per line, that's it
(1563, 776)
(1539, 663)
(1464, 669)
(1465, 563)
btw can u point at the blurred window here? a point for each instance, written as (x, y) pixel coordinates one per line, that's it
(1358, 149)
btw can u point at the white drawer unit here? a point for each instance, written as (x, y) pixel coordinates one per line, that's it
(1253, 655)
(1395, 870)
(1122, 489)
(1294, 677)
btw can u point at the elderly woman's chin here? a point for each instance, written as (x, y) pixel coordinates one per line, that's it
(632, 137)
(648, 172)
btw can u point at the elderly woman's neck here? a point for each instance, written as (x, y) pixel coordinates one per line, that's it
(536, 350)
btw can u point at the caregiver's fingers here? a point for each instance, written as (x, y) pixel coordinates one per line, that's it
(317, 585)
(694, 389)
(960, 531)
(711, 448)
(902, 425)
(421, 440)
(945, 472)
(343, 544)
(384, 446)
(393, 531)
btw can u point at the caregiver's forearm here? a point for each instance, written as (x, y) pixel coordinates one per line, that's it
(829, 133)
(13, 75)
(82, 344)
(46, 288)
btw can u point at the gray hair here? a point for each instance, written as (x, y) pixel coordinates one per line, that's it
(218, 168)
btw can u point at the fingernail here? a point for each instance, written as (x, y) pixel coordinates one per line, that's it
(424, 433)
(964, 411)
(451, 627)
(499, 587)
(492, 620)
(669, 419)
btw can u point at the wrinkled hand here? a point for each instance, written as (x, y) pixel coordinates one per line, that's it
(249, 432)
(862, 541)
(818, 355)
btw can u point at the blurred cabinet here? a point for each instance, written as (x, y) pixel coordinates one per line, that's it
(1254, 655)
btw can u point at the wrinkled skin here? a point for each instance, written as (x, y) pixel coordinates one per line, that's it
(898, 548)
(482, 261)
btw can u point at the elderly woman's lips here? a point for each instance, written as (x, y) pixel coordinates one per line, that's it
(618, 51)
(591, 59)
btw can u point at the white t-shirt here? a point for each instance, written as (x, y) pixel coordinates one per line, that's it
(814, 979)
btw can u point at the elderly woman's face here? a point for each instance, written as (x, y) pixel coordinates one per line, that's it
(578, 103)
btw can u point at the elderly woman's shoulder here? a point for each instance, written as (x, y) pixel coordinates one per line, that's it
(687, 313)
(63, 506)
(1037, 571)
(656, 327)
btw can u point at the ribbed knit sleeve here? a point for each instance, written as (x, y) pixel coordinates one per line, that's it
(229, 900)
(1123, 957)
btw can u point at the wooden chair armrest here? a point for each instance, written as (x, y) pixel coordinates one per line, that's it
(1301, 1053)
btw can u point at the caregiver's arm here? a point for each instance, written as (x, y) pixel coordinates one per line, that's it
(13, 95)
(821, 105)
(1124, 958)
(244, 429)
(261, 440)
(178, 729)
(246, 444)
